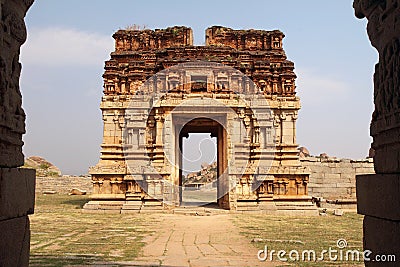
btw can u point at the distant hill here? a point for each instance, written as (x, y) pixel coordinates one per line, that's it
(43, 167)
(207, 174)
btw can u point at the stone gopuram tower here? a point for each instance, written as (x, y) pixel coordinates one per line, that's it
(239, 87)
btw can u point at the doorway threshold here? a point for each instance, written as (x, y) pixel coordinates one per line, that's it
(199, 209)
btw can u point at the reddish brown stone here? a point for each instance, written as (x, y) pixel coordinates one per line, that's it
(140, 54)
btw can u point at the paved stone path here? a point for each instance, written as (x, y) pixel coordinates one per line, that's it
(182, 240)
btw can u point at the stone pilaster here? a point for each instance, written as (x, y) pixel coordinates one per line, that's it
(378, 195)
(17, 186)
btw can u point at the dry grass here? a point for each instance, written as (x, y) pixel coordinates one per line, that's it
(304, 233)
(63, 235)
(208, 196)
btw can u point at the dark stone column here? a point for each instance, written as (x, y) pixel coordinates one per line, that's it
(17, 186)
(378, 195)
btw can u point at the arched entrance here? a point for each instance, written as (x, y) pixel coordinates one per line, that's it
(197, 114)
(207, 125)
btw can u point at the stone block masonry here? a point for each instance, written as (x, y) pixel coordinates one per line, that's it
(64, 184)
(335, 179)
(331, 179)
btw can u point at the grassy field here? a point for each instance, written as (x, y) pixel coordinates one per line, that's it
(63, 235)
(304, 233)
(207, 196)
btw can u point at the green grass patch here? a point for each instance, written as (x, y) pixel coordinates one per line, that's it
(302, 233)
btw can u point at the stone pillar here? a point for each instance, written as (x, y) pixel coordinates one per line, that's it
(159, 129)
(378, 195)
(17, 186)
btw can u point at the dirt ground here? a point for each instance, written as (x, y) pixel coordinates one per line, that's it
(199, 241)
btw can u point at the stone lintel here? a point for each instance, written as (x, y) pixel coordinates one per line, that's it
(378, 195)
(17, 192)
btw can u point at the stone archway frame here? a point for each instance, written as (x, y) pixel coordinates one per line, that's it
(150, 155)
(213, 126)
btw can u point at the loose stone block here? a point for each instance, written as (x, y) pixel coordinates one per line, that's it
(338, 212)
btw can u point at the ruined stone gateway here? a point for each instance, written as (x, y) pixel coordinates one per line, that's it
(239, 87)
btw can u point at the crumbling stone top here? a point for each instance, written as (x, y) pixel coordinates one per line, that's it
(141, 40)
(252, 40)
(139, 54)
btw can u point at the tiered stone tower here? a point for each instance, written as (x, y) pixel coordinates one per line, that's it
(247, 101)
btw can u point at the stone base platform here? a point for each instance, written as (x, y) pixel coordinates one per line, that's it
(121, 206)
(302, 206)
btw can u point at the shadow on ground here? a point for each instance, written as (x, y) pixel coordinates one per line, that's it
(80, 260)
(54, 260)
(77, 202)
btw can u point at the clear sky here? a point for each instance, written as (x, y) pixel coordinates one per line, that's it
(198, 148)
(69, 41)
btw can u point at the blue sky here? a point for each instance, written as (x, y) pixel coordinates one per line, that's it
(69, 41)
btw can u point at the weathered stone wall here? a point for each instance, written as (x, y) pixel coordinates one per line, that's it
(331, 179)
(335, 179)
(17, 186)
(64, 184)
